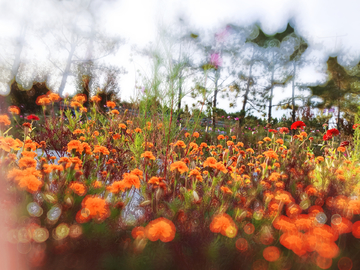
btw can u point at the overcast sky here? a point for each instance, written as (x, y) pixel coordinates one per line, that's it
(331, 23)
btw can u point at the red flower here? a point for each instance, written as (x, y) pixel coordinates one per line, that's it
(32, 117)
(298, 124)
(332, 132)
(345, 143)
(327, 137)
(284, 130)
(356, 125)
(273, 130)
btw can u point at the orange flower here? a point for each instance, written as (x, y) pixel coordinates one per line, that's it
(267, 139)
(5, 120)
(271, 254)
(30, 182)
(131, 180)
(79, 131)
(96, 206)
(80, 98)
(14, 110)
(95, 99)
(43, 100)
(226, 190)
(138, 130)
(97, 184)
(271, 154)
(196, 134)
(180, 166)
(279, 141)
(138, 232)
(114, 111)
(78, 188)
(122, 126)
(75, 104)
(211, 162)
(101, 149)
(148, 154)
(180, 144)
(221, 167)
(117, 186)
(110, 104)
(53, 97)
(221, 137)
(160, 228)
(345, 226)
(74, 144)
(341, 149)
(154, 180)
(26, 162)
(224, 224)
(229, 143)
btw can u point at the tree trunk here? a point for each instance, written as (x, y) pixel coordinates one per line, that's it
(67, 70)
(19, 48)
(271, 96)
(215, 96)
(243, 112)
(293, 95)
(179, 103)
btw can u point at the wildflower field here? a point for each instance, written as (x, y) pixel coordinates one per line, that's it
(111, 190)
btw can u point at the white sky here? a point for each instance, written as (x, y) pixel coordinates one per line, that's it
(331, 23)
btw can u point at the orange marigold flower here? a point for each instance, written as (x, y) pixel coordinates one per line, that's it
(279, 141)
(95, 99)
(271, 254)
(43, 100)
(14, 110)
(138, 232)
(53, 97)
(74, 144)
(267, 139)
(117, 186)
(341, 149)
(196, 134)
(80, 98)
(211, 162)
(101, 149)
(138, 130)
(224, 224)
(75, 104)
(96, 206)
(226, 190)
(160, 228)
(131, 180)
(221, 137)
(78, 188)
(154, 180)
(138, 173)
(79, 131)
(221, 167)
(271, 154)
(122, 126)
(114, 111)
(110, 104)
(30, 182)
(180, 166)
(229, 143)
(148, 154)
(97, 184)
(250, 150)
(180, 144)
(27, 162)
(4, 119)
